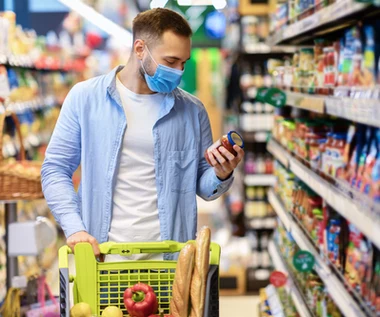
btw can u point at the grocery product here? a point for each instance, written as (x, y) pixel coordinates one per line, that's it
(333, 231)
(80, 310)
(316, 293)
(179, 304)
(370, 161)
(344, 66)
(201, 268)
(228, 141)
(359, 261)
(112, 311)
(140, 300)
(362, 158)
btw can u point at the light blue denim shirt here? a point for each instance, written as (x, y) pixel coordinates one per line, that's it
(90, 131)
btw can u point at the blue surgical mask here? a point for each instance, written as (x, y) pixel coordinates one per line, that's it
(165, 79)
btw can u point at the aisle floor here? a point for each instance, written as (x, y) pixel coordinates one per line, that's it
(239, 306)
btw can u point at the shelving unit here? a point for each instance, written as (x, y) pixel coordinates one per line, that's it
(256, 122)
(337, 290)
(260, 180)
(362, 110)
(335, 14)
(349, 208)
(291, 287)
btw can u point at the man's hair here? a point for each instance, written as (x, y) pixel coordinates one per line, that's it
(150, 25)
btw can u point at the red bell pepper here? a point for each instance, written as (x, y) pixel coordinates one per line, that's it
(140, 300)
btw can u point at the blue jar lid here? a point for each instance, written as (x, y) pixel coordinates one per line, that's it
(235, 138)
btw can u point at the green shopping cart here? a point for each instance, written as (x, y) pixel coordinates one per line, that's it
(102, 284)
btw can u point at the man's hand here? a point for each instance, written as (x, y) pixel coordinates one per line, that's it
(225, 162)
(83, 236)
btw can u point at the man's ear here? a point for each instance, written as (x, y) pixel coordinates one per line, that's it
(138, 48)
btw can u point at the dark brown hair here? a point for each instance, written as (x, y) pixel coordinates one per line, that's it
(150, 25)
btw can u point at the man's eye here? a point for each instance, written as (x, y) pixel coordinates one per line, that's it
(170, 62)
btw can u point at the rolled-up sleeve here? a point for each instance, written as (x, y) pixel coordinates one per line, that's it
(209, 186)
(62, 158)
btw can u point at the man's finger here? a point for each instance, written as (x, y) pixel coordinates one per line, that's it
(95, 246)
(219, 157)
(239, 151)
(212, 159)
(227, 154)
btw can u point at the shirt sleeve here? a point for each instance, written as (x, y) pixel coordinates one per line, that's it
(62, 158)
(209, 186)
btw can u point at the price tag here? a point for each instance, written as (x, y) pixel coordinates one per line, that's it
(278, 279)
(303, 261)
(339, 9)
(310, 22)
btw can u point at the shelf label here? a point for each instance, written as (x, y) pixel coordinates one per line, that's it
(303, 261)
(278, 279)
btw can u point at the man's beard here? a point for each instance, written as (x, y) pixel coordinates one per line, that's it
(147, 67)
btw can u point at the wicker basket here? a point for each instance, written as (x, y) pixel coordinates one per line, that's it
(19, 180)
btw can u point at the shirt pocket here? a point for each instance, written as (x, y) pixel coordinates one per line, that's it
(183, 170)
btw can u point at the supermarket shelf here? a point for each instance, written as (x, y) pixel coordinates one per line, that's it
(260, 180)
(262, 223)
(264, 49)
(256, 122)
(366, 222)
(361, 110)
(25, 61)
(305, 101)
(322, 19)
(280, 211)
(291, 288)
(259, 137)
(279, 153)
(22, 106)
(335, 286)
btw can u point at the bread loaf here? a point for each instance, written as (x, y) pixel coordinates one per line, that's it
(179, 304)
(201, 268)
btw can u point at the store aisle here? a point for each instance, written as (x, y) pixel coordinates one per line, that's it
(242, 306)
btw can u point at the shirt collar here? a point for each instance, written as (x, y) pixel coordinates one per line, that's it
(168, 104)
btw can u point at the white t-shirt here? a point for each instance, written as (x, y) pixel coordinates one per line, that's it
(135, 212)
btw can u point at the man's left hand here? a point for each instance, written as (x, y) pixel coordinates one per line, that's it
(225, 162)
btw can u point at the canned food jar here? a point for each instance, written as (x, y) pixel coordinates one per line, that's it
(228, 141)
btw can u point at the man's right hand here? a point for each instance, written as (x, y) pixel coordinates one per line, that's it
(83, 236)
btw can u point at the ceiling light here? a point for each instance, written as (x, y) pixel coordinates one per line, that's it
(108, 26)
(158, 4)
(219, 4)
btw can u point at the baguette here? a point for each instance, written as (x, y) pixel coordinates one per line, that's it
(201, 268)
(179, 304)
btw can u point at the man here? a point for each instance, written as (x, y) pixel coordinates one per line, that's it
(140, 142)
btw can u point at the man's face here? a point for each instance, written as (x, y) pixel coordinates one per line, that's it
(173, 51)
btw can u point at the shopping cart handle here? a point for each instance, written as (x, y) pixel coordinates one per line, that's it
(127, 249)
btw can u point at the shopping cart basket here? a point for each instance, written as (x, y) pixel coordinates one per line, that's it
(102, 284)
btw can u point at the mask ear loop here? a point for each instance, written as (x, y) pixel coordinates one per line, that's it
(142, 64)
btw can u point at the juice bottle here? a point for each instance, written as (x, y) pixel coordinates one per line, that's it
(368, 76)
(337, 154)
(326, 154)
(333, 233)
(375, 188)
(363, 158)
(314, 203)
(348, 150)
(351, 172)
(368, 168)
